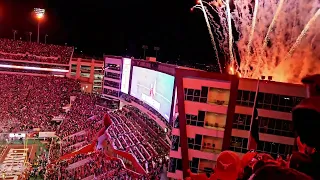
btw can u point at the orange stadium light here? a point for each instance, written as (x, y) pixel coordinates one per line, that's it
(39, 15)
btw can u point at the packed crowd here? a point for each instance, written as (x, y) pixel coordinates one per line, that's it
(54, 151)
(84, 115)
(32, 51)
(129, 134)
(73, 143)
(145, 105)
(97, 165)
(28, 102)
(147, 121)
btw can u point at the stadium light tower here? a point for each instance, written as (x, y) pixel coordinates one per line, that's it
(45, 39)
(14, 34)
(156, 49)
(144, 47)
(39, 15)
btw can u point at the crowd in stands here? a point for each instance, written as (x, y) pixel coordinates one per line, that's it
(32, 51)
(28, 102)
(130, 134)
(84, 115)
(73, 143)
(54, 151)
(149, 122)
(96, 164)
(145, 105)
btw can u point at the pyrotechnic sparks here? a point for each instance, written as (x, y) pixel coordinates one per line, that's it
(270, 32)
(266, 39)
(303, 33)
(232, 60)
(254, 20)
(211, 35)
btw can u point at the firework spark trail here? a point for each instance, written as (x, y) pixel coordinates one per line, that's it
(211, 7)
(254, 20)
(302, 34)
(212, 22)
(211, 19)
(266, 39)
(230, 34)
(223, 42)
(211, 35)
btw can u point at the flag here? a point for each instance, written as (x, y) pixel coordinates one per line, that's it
(254, 126)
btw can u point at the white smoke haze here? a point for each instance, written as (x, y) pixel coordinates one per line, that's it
(274, 59)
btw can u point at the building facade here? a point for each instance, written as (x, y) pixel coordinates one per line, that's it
(206, 104)
(274, 103)
(89, 72)
(215, 115)
(112, 76)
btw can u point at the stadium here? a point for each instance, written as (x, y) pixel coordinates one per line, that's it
(122, 118)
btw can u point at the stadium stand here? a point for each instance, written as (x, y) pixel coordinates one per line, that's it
(31, 102)
(31, 51)
(28, 102)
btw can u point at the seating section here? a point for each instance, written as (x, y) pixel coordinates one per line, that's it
(32, 51)
(129, 134)
(28, 102)
(84, 114)
(145, 105)
(97, 165)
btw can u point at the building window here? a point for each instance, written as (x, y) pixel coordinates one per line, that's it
(112, 84)
(175, 143)
(176, 123)
(218, 96)
(196, 95)
(113, 67)
(276, 127)
(274, 149)
(239, 144)
(241, 121)
(111, 92)
(194, 120)
(195, 143)
(112, 75)
(194, 165)
(211, 144)
(266, 125)
(277, 102)
(175, 164)
(245, 98)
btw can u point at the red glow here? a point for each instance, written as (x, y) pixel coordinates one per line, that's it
(198, 1)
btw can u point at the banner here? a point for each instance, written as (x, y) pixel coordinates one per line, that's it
(107, 121)
(47, 134)
(84, 150)
(132, 159)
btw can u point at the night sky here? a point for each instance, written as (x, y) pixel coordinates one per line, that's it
(115, 27)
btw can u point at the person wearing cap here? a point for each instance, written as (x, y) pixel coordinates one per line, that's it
(306, 122)
(228, 166)
(312, 84)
